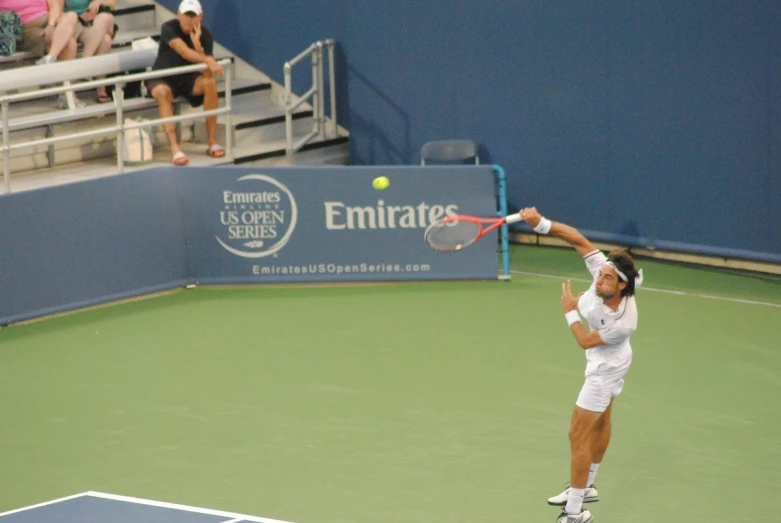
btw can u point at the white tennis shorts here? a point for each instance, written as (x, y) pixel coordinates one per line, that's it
(603, 383)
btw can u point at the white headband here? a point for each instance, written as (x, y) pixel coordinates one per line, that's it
(638, 278)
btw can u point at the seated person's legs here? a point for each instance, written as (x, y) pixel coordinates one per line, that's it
(61, 41)
(205, 90)
(97, 40)
(105, 47)
(94, 36)
(164, 90)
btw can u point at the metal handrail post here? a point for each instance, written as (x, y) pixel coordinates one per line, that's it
(302, 55)
(320, 124)
(332, 84)
(288, 110)
(315, 93)
(320, 91)
(6, 150)
(229, 115)
(119, 98)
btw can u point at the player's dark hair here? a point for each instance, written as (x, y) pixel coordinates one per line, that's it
(623, 260)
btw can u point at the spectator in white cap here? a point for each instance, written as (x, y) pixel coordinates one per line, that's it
(184, 41)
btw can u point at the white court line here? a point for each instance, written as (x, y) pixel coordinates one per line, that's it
(161, 504)
(44, 504)
(652, 289)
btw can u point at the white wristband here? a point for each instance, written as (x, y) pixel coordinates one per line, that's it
(572, 317)
(543, 227)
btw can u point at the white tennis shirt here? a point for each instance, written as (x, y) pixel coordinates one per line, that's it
(615, 327)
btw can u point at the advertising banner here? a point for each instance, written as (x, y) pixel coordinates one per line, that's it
(264, 224)
(101, 240)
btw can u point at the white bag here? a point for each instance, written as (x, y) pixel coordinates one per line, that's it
(144, 43)
(138, 144)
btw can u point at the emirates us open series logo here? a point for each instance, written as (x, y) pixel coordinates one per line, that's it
(258, 216)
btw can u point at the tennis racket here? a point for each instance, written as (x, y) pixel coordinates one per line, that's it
(453, 233)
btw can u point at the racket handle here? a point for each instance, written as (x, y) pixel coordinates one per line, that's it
(512, 218)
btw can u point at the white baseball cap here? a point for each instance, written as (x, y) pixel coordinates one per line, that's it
(190, 6)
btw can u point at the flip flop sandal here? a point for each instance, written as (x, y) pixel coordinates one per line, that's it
(180, 159)
(216, 151)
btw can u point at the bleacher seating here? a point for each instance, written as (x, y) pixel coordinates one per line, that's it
(258, 118)
(135, 18)
(21, 56)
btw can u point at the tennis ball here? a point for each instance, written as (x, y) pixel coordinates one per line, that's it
(381, 183)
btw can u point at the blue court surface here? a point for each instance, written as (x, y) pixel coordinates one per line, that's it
(97, 507)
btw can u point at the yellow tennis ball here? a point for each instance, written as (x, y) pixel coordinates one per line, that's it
(381, 183)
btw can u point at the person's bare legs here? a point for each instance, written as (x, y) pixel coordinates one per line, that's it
(93, 37)
(165, 100)
(207, 86)
(97, 41)
(580, 432)
(62, 39)
(600, 435)
(104, 48)
(69, 53)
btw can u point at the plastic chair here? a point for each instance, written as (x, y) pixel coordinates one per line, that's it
(449, 152)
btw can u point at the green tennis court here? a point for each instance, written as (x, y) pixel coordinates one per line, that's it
(415, 403)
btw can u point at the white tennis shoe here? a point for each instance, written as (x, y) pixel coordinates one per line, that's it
(589, 496)
(583, 517)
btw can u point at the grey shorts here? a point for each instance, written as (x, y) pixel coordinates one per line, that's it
(32, 40)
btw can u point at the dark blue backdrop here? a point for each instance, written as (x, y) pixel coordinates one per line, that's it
(655, 123)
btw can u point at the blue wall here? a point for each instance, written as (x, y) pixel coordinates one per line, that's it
(100, 240)
(657, 123)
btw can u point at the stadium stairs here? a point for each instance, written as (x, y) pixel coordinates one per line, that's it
(258, 126)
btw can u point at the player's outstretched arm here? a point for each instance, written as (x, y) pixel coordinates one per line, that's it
(566, 232)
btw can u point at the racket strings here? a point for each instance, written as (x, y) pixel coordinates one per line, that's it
(452, 236)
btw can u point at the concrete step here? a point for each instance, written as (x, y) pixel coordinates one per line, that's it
(256, 120)
(320, 152)
(130, 16)
(124, 38)
(76, 149)
(105, 166)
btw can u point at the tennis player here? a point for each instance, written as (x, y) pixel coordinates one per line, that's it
(609, 308)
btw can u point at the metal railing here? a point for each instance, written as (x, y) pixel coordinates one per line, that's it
(120, 127)
(321, 127)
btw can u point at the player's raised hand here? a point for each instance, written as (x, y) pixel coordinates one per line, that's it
(531, 216)
(568, 301)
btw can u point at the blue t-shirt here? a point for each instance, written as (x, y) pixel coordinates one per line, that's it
(76, 6)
